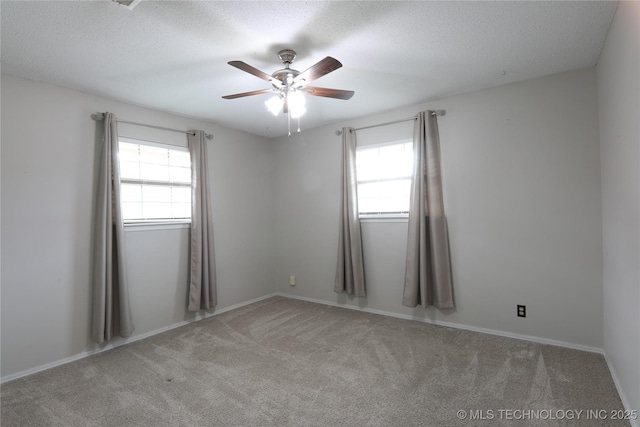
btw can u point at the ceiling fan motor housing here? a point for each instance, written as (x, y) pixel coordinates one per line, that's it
(285, 75)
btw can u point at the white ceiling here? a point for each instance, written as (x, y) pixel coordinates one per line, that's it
(173, 56)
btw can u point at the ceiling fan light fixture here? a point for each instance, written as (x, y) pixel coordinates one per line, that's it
(291, 85)
(274, 105)
(296, 104)
(296, 114)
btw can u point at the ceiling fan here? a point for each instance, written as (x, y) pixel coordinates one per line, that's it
(290, 85)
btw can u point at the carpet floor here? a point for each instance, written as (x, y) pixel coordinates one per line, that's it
(285, 362)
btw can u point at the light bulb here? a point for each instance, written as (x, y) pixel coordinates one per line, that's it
(274, 105)
(296, 104)
(296, 113)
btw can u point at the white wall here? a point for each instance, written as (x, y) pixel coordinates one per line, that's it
(49, 153)
(522, 191)
(619, 105)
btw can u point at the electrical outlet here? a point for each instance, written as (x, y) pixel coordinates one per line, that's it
(522, 311)
(292, 280)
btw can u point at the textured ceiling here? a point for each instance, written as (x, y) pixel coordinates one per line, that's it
(173, 56)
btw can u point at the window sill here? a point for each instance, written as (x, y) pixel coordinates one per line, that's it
(384, 218)
(156, 225)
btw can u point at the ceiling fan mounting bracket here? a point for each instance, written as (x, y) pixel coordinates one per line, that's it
(287, 56)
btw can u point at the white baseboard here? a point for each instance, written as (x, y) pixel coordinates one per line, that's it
(451, 325)
(122, 341)
(621, 393)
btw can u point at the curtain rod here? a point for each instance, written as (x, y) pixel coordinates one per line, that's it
(100, 116)
(435, 113)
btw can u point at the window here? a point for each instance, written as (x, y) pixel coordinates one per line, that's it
(155, 182)
(384, 179)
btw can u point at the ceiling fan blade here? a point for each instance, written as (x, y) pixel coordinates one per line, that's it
(329, 93)
(318, 70)
(254, 92)
(252, 70)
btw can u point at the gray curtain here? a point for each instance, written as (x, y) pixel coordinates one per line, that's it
(202, 280)
(428, 270)
(111, 310)
(350, 268)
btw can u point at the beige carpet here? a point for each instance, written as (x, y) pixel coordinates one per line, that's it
(284, 362)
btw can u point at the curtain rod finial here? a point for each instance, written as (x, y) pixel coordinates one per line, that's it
(338, 132)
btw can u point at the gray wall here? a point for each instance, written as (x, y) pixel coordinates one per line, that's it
(522, 191)
(619, 102)
(49, 152)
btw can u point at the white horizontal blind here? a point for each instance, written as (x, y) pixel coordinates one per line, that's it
(155, 182)
(384, 178)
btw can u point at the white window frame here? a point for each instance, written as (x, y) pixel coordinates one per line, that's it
(153, 224)
(382, 216)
